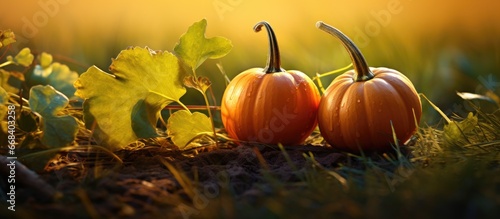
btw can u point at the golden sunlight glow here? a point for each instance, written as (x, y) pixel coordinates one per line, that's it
(158, 23)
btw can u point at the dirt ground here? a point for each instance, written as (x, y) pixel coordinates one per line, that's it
(154, 181)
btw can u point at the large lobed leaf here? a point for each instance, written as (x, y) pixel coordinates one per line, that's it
(125, 104)
(58, 130)
(7, 37)
(194, 48)
(183, 126)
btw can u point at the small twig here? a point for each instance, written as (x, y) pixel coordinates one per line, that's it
(223, 72)
(69, 60)
(6, 63)
(5, 52)
(448, 120)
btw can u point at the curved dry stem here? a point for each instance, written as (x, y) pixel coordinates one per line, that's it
(363, 72)
(273, 60)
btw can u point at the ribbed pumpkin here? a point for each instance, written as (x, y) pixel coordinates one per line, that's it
(361, 107)
(270, 105)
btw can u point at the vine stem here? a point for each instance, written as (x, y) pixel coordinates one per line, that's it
(320, 84)
(318, 76)
(207, 103)
(6, 63)
(210, 115)
(336, 71)
(183, 106)
(192, 107)
(363, 72)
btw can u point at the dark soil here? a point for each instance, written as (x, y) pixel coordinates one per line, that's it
(94, 185)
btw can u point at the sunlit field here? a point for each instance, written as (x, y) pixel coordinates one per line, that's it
(442, 47)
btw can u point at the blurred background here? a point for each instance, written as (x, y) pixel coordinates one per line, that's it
(442, 46)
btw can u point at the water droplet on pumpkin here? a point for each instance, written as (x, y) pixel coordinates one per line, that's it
(343, 104)
(359, 101)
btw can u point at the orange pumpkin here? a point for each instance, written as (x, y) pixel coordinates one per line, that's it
(361, 107)
(270, 105)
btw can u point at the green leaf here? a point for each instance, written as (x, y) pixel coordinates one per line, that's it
(57, 75)
(58, 130)
(11, 81)
(4, 96)
(125, 105)
(454, 132)
(45, 59)
(194, 48)
(4, 99)
(183, 126)
(145, 113)
(7, 37)
(24, 58)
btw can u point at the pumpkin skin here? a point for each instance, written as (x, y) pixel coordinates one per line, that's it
(270, 108)
(361, 107)
(270, 105)
(355, 115)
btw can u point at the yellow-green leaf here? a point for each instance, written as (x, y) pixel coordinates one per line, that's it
(7, 37)
(183, 126)
(201, 83)
(457, 131)
(4, 96)
(4, 99)
(194, 48)
(24, 58)
(45, 60)
(9, 81)
(125, 104)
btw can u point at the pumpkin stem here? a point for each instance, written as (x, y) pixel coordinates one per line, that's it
(273, 59)
(363, 72)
